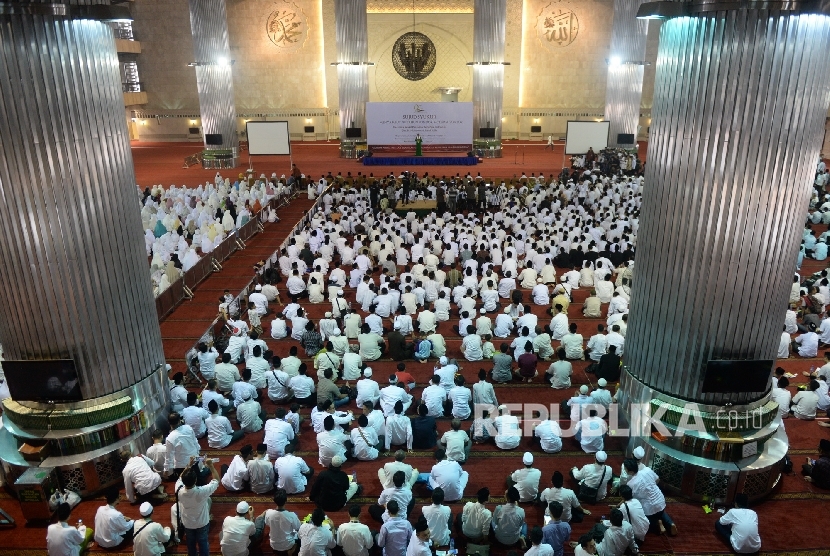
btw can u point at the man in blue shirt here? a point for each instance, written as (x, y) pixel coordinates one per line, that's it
(557, 532)
(395, 534)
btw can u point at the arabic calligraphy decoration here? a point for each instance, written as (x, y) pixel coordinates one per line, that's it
(287, 25)
(557, 25)
(413, 56)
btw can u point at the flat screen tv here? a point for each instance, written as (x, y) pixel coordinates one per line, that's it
(487, 132)
(736, 376)
(213, 139)
(53, 380)
(353, 132)
(308, 129)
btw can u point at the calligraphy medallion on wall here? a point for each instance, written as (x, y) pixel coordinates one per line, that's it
(413, 56)
(557, 25)
(287, 25)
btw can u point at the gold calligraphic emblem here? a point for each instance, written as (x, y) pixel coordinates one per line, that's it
(557, 25)
(287, 25)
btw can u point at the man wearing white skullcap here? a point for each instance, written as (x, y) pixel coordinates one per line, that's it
(601, 395)
(595, 475)
(639, 453)
(240, 530)
(149, 536)
(368, 390)
(526, 479)
(333, 487)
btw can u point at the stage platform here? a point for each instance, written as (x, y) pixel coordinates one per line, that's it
(429, 160)
(421, 208)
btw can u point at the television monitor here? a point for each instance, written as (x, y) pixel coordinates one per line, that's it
(354, 132)
(193, 130)
(535, 129)
(487, 132)
(213, 139)
(736, 376)
(625, 138)
(308, 129)
(46, 380)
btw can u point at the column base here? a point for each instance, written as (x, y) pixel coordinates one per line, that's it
(726, 457)
(86, 457)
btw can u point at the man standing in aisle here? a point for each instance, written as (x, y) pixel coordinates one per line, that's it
(194, 506)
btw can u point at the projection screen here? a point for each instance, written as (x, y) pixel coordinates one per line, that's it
(584, 135)
(268, 138)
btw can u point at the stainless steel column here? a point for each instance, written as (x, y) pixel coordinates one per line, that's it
(352, 36)
(739, 106)
(624, 87)
(209, 24)
(74, 277)
(489, 22)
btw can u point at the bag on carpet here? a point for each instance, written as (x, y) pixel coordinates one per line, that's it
(60, 496)
(480, 549)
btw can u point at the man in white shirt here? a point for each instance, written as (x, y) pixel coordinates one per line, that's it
(572, 342)
(559, 324)
(398, 428)
(149, 537)
(259, 300)
(446, 474)
(595, 475)
(220, 433)
(549, 434)
(235, 476)
(111, 527)
(643, 484)
(526, 479)
(368, 390)
(739, 526)
(181, 445)
(434, 396)
(391, 395)
(194, 416)
(475, 519)
(456, 442)
(194, 506)
(364, 440)
(807, 343)
(303, 387)
(508, 434)
(282, 524)
(462, 399)
(63, 539)
(261, 471)
(805, 402)
(614, 338)
(354, 537)
(439, 519)
(597, 344)
(633, 513)
(292, 472)
(387, 472)
(140, 477)
(241, 530)
(399, 492)
(782, 396)
(565, 496)
(590, 432)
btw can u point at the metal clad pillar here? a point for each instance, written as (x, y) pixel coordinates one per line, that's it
(624, 87)
(74, 279)
(353, 79)
(209, 24)
(489, 22)
(739, 108)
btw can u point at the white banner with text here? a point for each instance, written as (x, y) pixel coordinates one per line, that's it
(443, 126)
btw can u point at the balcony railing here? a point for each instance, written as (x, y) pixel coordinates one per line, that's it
(132, 87)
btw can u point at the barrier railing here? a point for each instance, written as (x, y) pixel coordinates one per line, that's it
(170, 298)
(216, 328)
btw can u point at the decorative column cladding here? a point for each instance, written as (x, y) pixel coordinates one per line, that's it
(74, 278)
(740, 101)
(624, 87)
(209, 24)
(488, 80)
(352, 36)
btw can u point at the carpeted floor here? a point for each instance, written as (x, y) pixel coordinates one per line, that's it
(787, 517)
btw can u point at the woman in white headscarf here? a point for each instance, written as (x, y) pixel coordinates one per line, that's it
(227, 221)
(190, 259)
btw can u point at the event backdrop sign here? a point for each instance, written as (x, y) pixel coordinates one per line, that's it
(443, 126)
